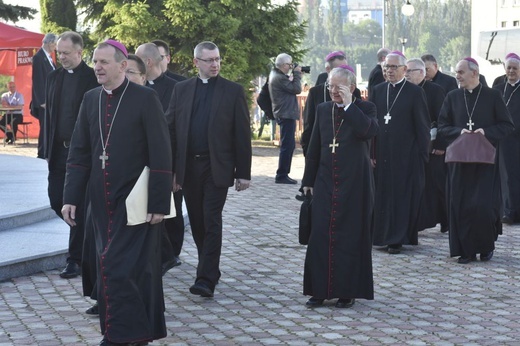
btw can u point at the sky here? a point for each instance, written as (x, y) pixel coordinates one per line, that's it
(31, 25)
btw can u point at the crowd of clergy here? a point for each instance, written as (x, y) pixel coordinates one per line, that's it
(379, 173)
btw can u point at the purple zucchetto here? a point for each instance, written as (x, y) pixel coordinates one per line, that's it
(118, 45)
(512, 56)
(335, 54)
(347, 67)
(470, 59)
(398, 52)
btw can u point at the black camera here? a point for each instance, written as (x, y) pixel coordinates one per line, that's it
(305, 69)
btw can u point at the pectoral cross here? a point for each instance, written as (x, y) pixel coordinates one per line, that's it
(334, 145)
(103, 157)
(387, 118)
(470, 124)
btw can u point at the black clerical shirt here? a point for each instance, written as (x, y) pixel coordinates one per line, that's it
(198, 136)
(66, 112)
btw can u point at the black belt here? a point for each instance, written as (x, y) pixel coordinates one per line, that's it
(200, 156)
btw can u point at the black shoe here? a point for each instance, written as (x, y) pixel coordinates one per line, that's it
(314, 302)
(285, 180)
(71, 271)
(444, 229)
(484, 257)
(201, 289)
(507, 220)
(345, 303)
(93, 310)
(466, 260)
(394, 249)
(300, 198)
(170, 264)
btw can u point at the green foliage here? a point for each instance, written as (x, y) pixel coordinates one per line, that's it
(58, 15)
(14, 13)
(248, 33)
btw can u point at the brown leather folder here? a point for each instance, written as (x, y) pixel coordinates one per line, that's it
(471, 148)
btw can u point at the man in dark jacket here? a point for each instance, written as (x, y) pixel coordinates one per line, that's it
(64, 93)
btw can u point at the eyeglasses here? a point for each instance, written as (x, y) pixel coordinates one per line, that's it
(392, 67)
(332, 87)
(413, 70)
(133, 72)
(217, 60)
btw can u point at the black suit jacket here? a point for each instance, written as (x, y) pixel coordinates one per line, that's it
(376, 77)
(448, 83)
(229, 131)
(52, 99)
(41, 68)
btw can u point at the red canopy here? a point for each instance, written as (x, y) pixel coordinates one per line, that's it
(17, 47)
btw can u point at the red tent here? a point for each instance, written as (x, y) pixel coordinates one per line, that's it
(17, 47)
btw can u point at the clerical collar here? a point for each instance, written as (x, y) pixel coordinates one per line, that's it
(396, 84)
(117, 90)
(340, 105)
(156, 80)
(206, 80)
(475, 88)
(513, 84)
(74, 70)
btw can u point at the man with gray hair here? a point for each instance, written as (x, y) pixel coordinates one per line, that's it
(401, 151)
(343, 201)
(42, 65)
(473, 189)
(283, 89)
(509, 148)
(376, 75)
(433, 206)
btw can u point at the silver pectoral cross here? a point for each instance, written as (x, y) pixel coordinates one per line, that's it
(470, 124)
(387, 118)
(103, 157)
(334, 145)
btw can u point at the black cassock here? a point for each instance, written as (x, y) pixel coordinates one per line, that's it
(433, 206)
(401, 153)
(338, 263)
(509, 154)
(129, 281)
(473, 190)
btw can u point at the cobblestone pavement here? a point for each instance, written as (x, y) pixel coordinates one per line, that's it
(422, 297)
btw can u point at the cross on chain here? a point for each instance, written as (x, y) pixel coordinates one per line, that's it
(334, 145)
(387, 118)
(103, 157)
(470, 124)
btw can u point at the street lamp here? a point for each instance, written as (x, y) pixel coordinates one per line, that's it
(407, 9)
(403, 41)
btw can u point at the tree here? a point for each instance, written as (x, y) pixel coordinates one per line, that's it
(58, 15)
(14, 13)
(249, 33)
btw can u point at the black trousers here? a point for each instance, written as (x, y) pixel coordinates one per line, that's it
(57, 170)
(205, 203)
(11, 119)
(173, 238)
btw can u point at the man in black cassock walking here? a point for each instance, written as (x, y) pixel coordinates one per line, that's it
(509, 148)
(433, 206)
(400, 155)
(473, 189)
(113, 118)
(448, 83)
(157, 79)
(338, 172)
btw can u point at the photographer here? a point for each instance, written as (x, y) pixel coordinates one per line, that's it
(283, 89)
